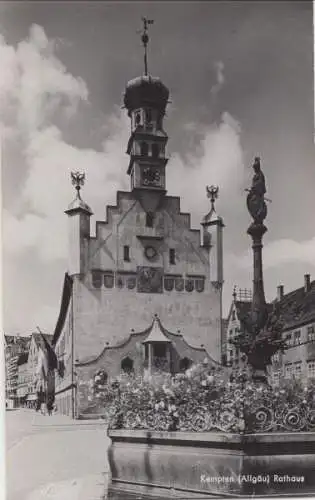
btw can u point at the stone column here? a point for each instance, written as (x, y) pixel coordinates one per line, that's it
(150, 358)
(259, 307)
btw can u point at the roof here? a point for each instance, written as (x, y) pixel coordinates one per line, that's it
(212, 218)
(156, 333)
(78, 204)
(22, 359)
(243, 308)
(297, 307)
(39, 341)
(17, 339)
(144, 336)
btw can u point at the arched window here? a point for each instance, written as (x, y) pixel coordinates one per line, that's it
(159, 122)
(137, 118)
(184, 364)
(97, 279)
(148, 115)
(144, 149)
(155, 150)
(127, 365)
(149, 219)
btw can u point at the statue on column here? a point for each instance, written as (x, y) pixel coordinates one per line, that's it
(256, 202)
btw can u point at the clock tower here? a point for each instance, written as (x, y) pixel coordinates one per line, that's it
(143, 292)
(145, 99)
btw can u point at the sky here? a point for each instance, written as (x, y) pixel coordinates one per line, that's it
(240, 77)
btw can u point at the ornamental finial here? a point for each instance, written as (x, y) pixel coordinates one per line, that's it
(213, 194)
(145, 40)
(78, 179)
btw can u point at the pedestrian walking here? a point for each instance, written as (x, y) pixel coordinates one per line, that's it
(49, 408)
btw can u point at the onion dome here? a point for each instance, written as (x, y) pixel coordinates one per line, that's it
(146, 91)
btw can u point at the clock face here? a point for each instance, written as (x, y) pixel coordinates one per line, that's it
(150, 252)
(151, 177)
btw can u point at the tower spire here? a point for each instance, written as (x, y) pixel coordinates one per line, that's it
(145, 40)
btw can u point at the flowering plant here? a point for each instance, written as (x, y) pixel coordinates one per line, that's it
(204, 399)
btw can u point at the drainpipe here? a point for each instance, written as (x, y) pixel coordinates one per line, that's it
(73, 399)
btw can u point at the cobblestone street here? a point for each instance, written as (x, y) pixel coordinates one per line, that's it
(55, 458)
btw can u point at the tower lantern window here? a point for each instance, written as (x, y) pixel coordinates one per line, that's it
(144, 149)
(137, 118)
(155, 150)
(148, 115)
(159, 122)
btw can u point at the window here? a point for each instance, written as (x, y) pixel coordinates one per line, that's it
(311, 368)
(172, 256)
(297, 369)
(126, 253)
(159, 350)
(184, 364)
(148, 115)
(230, 333)
(97, 279)
(288, 370)
(276, 357)
(233, 316)
(288, 338)
(127, 365)
(159, 122)
(144, 149)
(155, 150)
(138, 118)
(276, 377)
(297, 337)
(149, 219)
(311, 333)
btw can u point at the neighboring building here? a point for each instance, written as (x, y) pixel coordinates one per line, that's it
(22, 379)
(240, 307)
(225, 324)
(37, 365)
(297, 309)
(145, 260)
(14, 345)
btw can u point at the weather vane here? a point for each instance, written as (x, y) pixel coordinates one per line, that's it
(145, 40)
(78, 179)
(213, 194)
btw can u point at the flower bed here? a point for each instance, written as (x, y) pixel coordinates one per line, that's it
(204, 399)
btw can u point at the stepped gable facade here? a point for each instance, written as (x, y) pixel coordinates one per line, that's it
(145, 266)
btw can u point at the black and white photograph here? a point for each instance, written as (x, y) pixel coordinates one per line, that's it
(158, 249)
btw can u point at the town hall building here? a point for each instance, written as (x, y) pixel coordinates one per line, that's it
(145, 292)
